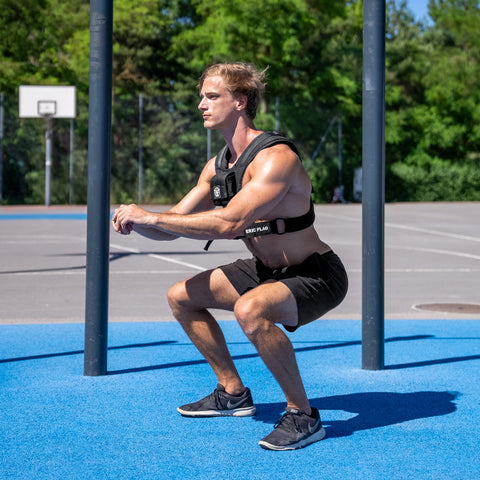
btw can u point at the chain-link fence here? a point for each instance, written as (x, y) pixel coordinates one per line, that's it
(159, 147)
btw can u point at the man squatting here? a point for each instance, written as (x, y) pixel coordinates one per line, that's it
(292, 277)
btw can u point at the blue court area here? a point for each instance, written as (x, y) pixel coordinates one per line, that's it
(418, 418)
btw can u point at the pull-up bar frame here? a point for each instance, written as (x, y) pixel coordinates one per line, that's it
(98, 198)
(373, 153)
(373, 178)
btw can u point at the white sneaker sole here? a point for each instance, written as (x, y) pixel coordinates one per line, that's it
(235, 412)
(315, 437)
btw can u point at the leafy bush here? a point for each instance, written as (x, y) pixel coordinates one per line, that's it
(439, 180)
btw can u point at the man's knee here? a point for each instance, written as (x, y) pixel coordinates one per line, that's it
(251, 313)
(176, 296)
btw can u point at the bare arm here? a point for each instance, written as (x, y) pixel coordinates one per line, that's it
(270, 176)
(128, 218)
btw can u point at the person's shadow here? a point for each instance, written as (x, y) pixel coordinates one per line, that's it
(375, 409)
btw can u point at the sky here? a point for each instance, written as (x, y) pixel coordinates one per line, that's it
(419, 8)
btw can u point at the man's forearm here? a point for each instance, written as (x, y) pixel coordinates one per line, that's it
(200, 226)
(153, 233)
(206, 225)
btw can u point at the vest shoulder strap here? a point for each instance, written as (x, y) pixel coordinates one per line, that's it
(262, 141)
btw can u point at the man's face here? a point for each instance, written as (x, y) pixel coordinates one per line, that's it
(218, 106)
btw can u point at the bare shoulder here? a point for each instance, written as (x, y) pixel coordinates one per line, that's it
(277, 173)
(279, 160)
(279, 152)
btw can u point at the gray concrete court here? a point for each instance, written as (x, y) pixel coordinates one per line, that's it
(432, 256)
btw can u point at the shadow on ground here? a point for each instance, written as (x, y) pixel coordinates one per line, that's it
(372, 410)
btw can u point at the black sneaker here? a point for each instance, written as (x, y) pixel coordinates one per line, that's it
(220, 403)
(294, 430)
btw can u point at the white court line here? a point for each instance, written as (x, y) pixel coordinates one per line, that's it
(339, 217)
(432, 270)
(160, 257)
(418, 249)
(421, 270)
(436, 250)
(44, 239)
(81, 272)
(433, 232)
(406, 227)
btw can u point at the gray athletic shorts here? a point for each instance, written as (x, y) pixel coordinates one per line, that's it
(318, 284)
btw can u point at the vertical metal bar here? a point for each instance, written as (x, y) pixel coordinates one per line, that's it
(373, 199)
(48, 160)
(340, 166)
(277, 113)
(140, 147)
(70, 171)
(1, 145)
(98, 198)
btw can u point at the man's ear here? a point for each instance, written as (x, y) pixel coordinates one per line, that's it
(242, 101)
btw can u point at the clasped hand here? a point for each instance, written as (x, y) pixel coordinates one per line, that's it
(125, 216)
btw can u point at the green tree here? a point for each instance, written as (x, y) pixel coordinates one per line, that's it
(302, 43)
(432, 103)
(22, 40)
(451, 88)
(143, 62)
(313, 51)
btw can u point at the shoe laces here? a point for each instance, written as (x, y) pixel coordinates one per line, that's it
(287, 419)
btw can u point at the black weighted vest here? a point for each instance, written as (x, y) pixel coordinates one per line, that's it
(228, 181)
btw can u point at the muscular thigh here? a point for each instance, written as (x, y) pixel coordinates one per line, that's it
(210, 289)
(276, 300)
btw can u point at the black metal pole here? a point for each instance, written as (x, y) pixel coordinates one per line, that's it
(140, 147)
(1, 145)
(340, 166)
(98, 210)
(373, 197)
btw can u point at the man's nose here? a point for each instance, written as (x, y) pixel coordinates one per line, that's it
(201, 105)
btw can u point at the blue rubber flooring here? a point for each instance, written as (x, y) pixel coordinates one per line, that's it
(418, 418)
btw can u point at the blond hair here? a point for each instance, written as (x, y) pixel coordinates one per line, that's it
(240, 79)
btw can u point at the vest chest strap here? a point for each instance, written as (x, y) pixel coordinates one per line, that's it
(279, 226)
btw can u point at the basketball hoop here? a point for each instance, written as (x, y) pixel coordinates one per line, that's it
(55, 101)
(48, 102)
(47, 108)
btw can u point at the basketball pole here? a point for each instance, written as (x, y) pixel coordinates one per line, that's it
(70, 168)
(48, 159)
(98, 197)
(373, 197)
(1, 144)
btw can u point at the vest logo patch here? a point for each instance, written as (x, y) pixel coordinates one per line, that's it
(258, 229)
(217, 192)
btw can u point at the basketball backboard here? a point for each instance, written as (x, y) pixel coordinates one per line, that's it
(39, 101)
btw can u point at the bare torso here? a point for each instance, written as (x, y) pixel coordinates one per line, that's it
(276, 251)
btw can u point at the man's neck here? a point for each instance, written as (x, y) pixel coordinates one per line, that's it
(239, 138)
